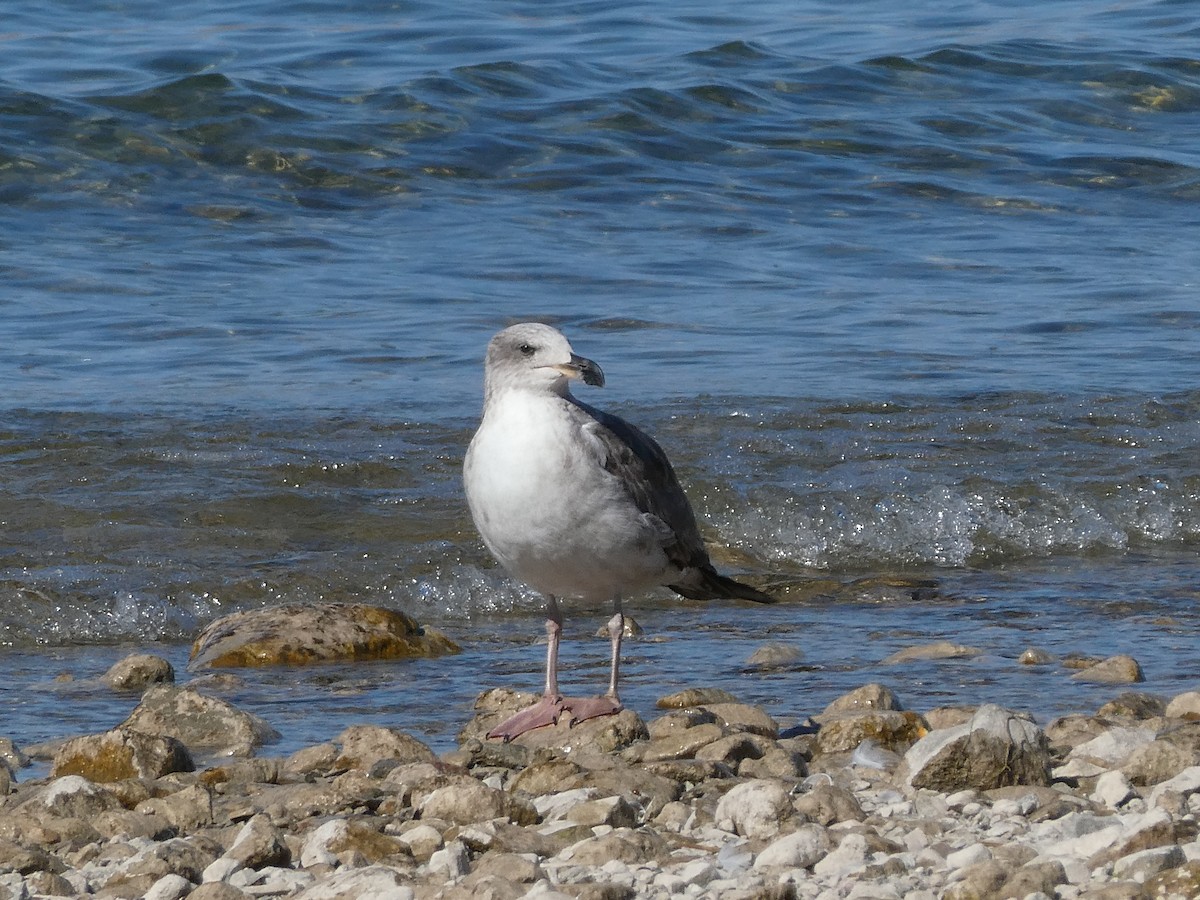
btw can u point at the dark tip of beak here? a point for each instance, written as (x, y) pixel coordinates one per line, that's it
(590, 372)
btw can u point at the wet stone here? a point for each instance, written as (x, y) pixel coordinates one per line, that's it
(301, 634)
(138, 671)
(694, 697)
(1114, 670)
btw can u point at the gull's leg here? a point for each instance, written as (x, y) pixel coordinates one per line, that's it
(547, 710)
(609, 703)
(554, 622)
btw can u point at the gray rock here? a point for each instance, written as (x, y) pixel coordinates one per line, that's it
(169, 887)
(775, 655)
(1145, 864)
(1113, 789)
(202, 723)
(995, 748)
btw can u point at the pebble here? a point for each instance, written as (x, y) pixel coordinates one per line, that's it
(670, 808)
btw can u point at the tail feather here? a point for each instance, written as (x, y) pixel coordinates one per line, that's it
(709, 584)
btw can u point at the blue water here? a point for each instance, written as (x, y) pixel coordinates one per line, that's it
(906, 291)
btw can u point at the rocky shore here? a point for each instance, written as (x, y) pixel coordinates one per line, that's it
(710, 798)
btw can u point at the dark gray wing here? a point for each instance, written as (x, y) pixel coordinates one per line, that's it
(639, 462)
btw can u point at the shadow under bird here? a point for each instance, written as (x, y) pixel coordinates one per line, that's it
(576, 502)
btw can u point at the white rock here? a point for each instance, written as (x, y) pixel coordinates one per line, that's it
(850, 855)
(556, 806)
(968, 856)
(14, 886)
(1184, 705)
(755, 808)
(1113, 789)
(220, 869)
(367, 883)
(801, 849)
(1113, 746)
(1186, 782)
(451, 859)
(169, 887)
(698, 872)
(1140, 866)
(316, 848)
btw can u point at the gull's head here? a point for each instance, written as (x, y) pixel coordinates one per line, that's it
(535, 356)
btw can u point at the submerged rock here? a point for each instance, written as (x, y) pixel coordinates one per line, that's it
(300, 634)
(936, 650)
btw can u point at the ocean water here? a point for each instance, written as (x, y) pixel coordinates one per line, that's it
(909, 295)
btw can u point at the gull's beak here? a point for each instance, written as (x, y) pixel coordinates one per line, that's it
(579, 367)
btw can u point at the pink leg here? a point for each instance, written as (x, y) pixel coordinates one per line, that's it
(552, 705)
(610, 703)
(548, 709)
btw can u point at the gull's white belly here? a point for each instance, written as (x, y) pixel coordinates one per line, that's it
(551, 514)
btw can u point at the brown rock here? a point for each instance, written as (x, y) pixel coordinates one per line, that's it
(689, 771)
(464, 801)
(679, 744)
(200, 722)
(867, 697)
(605, 734)
(300, 634)
(1035, 656)
(365, 745)
(121, 753)
(549, 777)
(1133, 705)
(679, 720)
(695, 697)
(1157, 761)
(743, 717)
(981, 881)
(138, 671)
(996, 748)
(218, 890)
(734, 748)
(776, 762)
(15, 857)
(187, 809)
(1182, 881)
(614, 811)
(891, 730)
(622, 844)
(1033, 878)
(828, 804)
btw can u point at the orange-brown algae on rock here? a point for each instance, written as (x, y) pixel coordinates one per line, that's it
(297, 634)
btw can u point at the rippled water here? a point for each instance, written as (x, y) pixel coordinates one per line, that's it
(908, 294)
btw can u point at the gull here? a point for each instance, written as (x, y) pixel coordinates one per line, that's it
(576, 502)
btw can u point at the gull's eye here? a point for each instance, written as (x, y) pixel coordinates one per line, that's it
(527, 349)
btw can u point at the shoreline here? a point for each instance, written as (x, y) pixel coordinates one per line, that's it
(709, 798)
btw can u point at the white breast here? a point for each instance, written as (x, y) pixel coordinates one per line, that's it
(549, 511)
